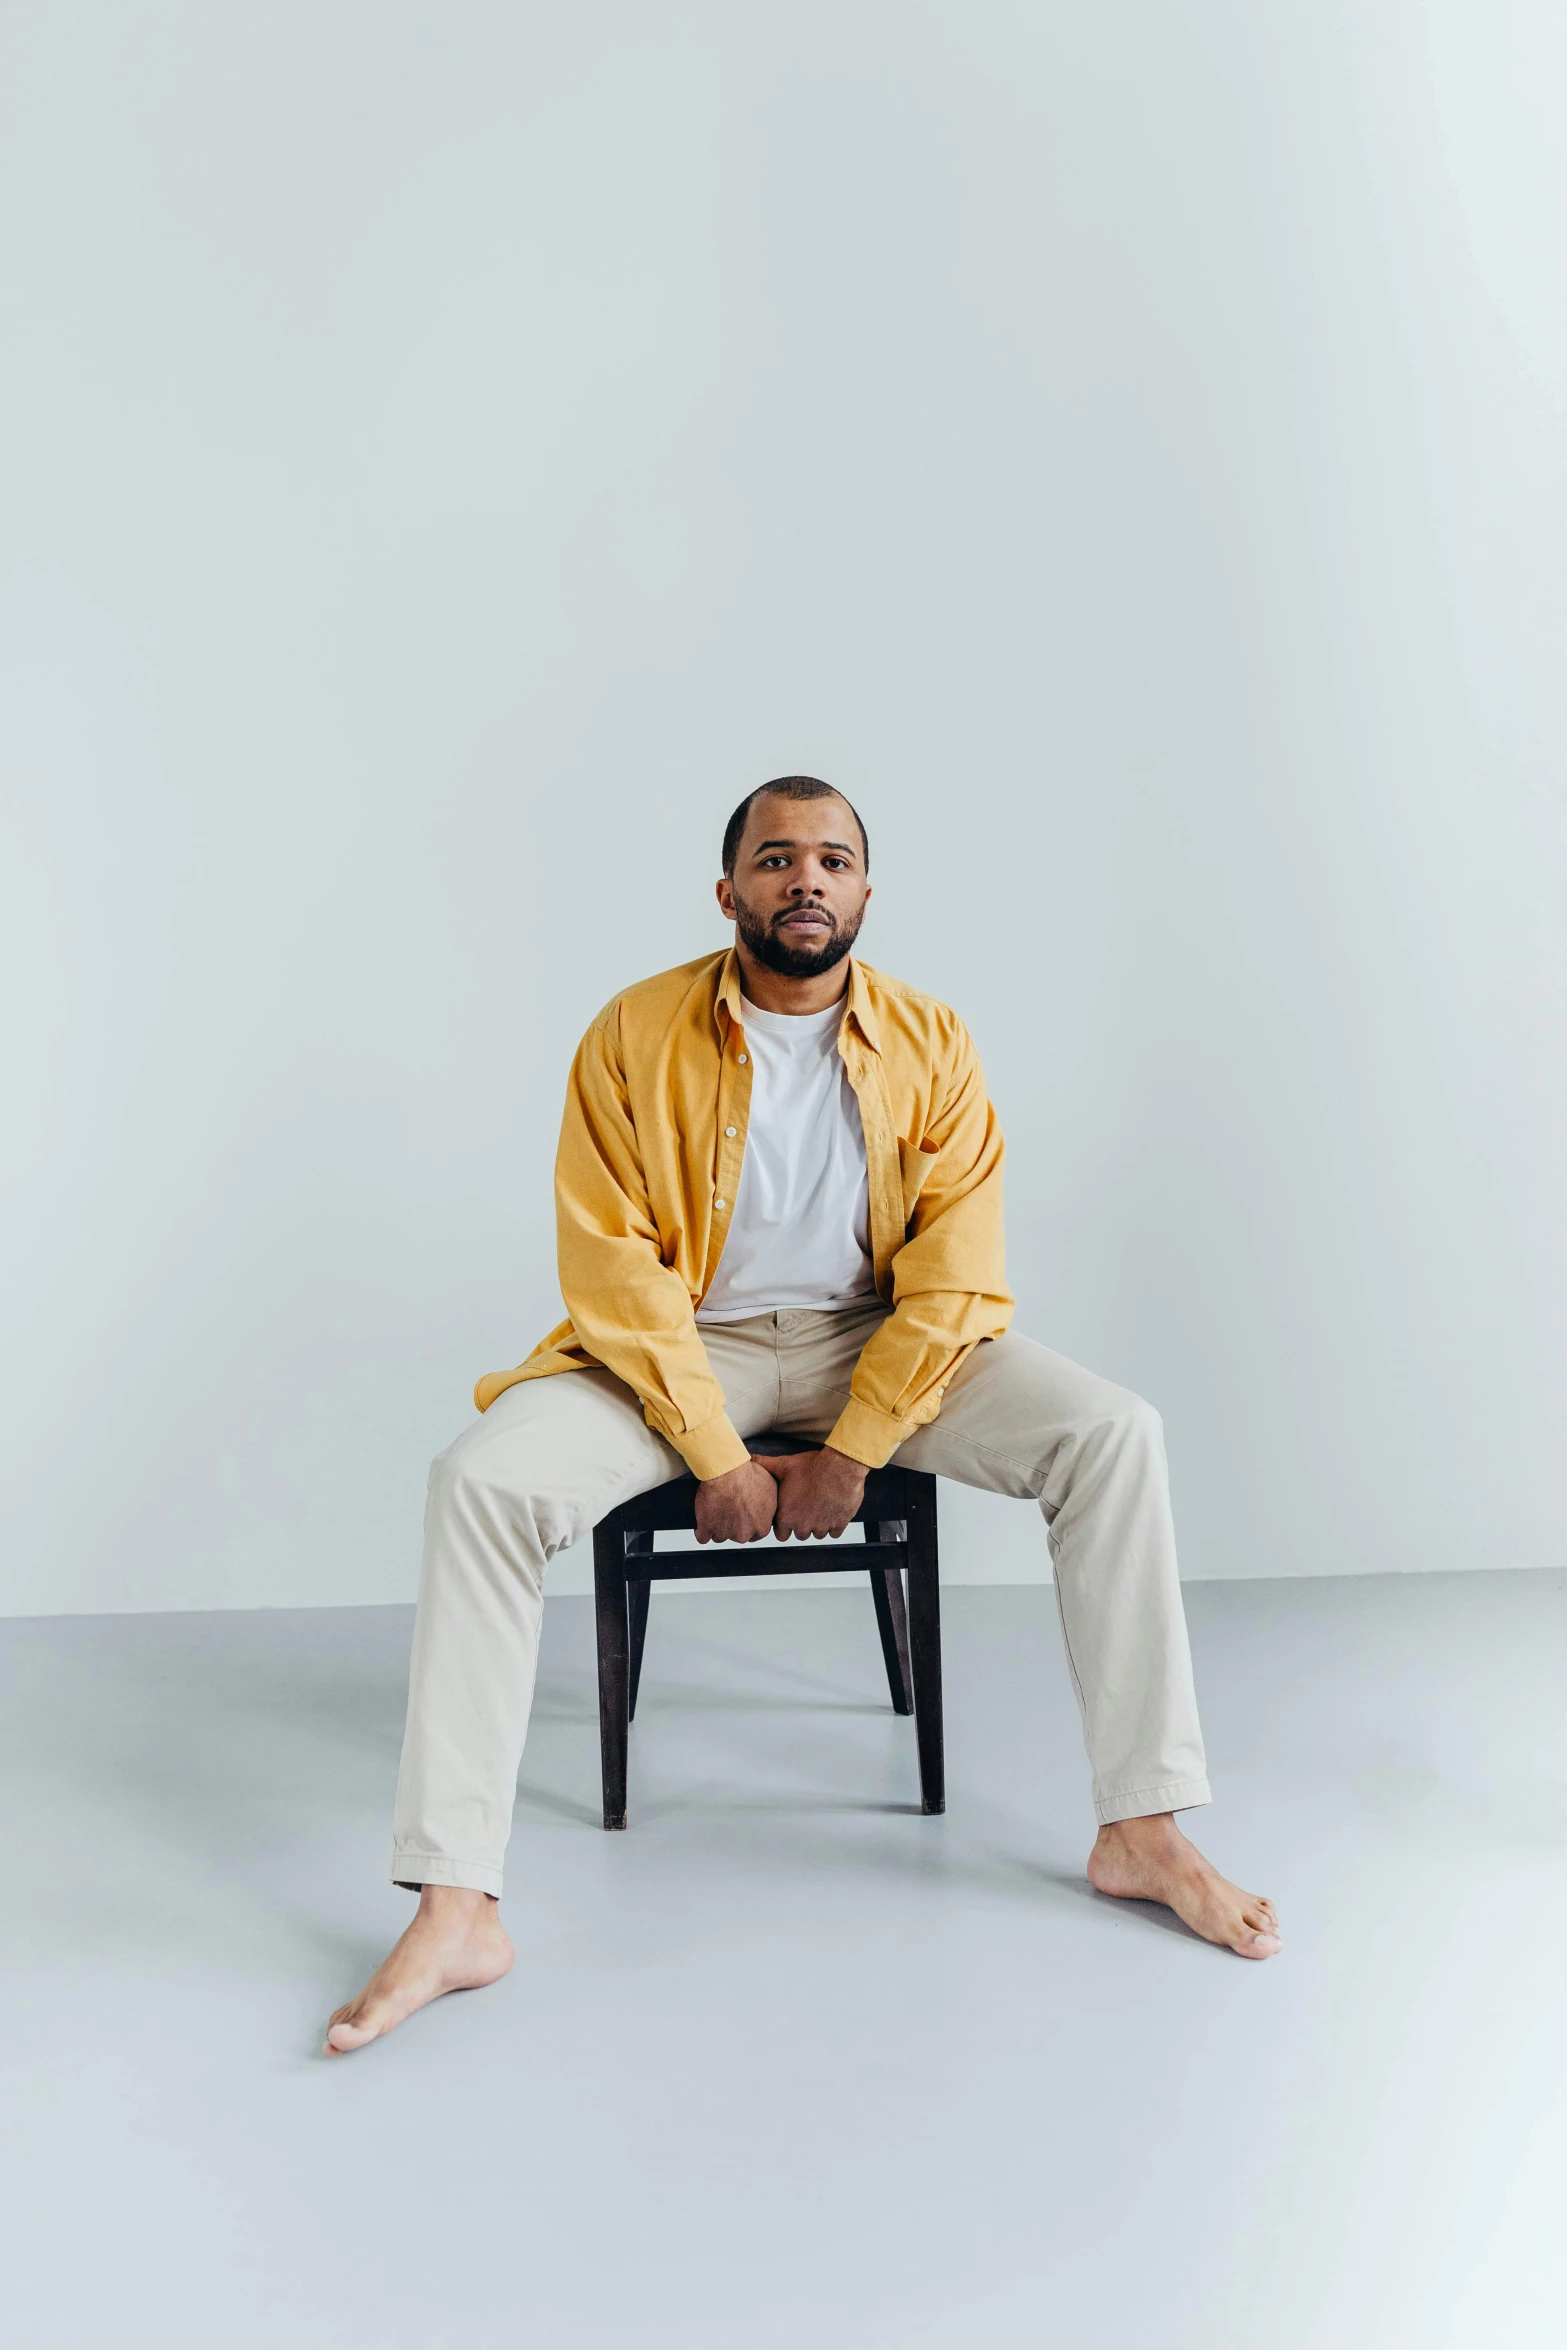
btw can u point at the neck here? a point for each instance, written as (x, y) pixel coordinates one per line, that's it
(770, 991)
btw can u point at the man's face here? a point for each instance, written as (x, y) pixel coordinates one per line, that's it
(798, 892)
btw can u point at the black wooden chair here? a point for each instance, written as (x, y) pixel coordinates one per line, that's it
(899, 1516)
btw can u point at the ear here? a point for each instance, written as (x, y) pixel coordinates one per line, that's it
(724, 892)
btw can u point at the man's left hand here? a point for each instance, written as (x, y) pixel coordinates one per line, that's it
(818, 1492)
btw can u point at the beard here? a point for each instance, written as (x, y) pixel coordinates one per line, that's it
(777, 953)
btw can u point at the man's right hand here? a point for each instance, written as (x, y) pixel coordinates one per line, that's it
(738, 1506)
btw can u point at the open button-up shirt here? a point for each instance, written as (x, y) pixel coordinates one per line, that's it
(651, 1147)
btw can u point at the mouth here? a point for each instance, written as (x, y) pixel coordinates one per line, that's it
(805, 920)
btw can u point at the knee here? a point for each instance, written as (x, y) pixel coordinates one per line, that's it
(455, 1477)
(1131, 1422)
(516, 1505)
(466, 1488)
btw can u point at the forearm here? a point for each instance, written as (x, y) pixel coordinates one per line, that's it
(650, 1339)
(905, 1368)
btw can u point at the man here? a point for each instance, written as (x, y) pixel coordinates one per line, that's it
(778, 1199)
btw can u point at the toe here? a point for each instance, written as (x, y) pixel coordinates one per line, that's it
(343, 2035)
(352, 2026)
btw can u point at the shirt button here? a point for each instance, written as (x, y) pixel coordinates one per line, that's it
(742, 1060)
(718, 1203)
(729, 1130)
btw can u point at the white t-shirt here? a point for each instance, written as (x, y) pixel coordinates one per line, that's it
(800, 1232)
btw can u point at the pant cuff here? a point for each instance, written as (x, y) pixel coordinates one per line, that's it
(1140, 1803)
(411, 1870)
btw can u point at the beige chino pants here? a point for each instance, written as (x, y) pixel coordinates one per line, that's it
(551, 1456)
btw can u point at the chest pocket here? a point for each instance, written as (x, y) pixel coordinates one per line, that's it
(915, 1161)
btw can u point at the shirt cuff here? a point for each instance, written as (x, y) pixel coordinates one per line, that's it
(713, 1449)
(868, 1435)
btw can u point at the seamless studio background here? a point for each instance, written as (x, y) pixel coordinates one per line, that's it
(452, 452)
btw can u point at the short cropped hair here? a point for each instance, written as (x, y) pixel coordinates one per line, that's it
(788, 787)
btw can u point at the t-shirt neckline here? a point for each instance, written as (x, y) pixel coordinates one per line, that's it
(786, 1024)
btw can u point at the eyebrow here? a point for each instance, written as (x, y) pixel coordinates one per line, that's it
(794, 844)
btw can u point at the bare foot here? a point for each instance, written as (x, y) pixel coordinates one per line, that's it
(1150, 1860)
(456, 1943)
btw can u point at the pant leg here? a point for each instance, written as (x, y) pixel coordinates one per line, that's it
(534, 1474)
(1019, 1419)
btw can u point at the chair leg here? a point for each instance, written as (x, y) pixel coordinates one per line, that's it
(925, 1641)
(637, 1597)
(609, 1586)
(893, 1625)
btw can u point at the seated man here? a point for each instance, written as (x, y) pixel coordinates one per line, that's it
(778, 1196)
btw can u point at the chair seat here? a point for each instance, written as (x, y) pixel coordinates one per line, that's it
(899, 1516)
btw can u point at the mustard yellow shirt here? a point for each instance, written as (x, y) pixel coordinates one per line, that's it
(645, 1182)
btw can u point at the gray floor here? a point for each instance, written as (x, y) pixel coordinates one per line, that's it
(787, 2063)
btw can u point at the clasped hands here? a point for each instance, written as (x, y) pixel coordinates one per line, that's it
(796, 1493)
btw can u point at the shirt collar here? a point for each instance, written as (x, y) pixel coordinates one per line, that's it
(859, 1006)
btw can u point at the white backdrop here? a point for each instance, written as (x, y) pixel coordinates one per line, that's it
(452, 450)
